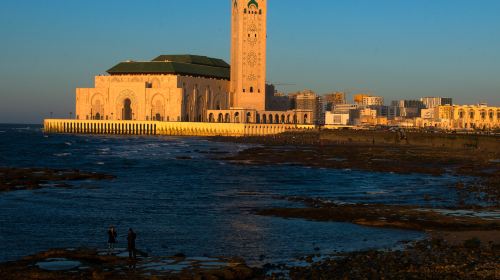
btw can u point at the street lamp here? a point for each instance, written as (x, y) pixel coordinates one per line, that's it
(70, 115)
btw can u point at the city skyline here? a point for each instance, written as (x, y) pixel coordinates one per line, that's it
(396, 50)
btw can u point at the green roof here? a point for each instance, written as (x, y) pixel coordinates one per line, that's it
(193, 59)
(189, 65)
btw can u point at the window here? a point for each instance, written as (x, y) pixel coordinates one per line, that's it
(243, 90)
(251, 89)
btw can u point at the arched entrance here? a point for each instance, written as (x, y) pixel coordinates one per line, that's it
(127, 110)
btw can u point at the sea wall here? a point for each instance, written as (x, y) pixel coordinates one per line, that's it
(168, 128)
(447, 140)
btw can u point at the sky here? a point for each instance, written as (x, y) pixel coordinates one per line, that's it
(399, 49)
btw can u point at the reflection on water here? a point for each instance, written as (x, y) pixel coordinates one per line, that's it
(199, 207)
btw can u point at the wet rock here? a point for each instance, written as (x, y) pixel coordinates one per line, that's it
(180, 256)
(380, 215)
(428, 259)
(89, 264)
(184, 158)
(12, 179)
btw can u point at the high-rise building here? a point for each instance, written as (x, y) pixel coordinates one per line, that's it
(334, 98)
(307, 100)
(358, 98)
(406, 108)
(432, 102)
(248, 54)
(372, 100)
(276, 101)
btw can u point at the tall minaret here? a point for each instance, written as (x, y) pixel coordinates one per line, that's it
(248, 54)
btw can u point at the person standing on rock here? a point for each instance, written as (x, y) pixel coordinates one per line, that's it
(111, 239)
(131, 243)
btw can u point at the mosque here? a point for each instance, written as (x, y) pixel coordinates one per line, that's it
(192, 88)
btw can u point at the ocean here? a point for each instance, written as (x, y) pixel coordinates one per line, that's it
(180, 196)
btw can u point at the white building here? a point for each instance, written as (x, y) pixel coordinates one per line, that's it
(337, 118)
(372, 100)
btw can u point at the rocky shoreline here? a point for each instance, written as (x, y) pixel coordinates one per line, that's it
(429, 259)
(85, 263)
(435, 258)
(313, 149)
(387, 216)
(15, 179)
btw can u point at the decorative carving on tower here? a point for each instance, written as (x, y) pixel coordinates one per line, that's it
(248, 54)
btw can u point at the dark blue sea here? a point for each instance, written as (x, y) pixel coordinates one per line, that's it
(199, 207)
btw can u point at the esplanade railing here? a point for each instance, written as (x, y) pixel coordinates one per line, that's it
(167, 128)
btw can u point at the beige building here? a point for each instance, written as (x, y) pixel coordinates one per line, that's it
(372, 100)
(463, 117)
(191, 88)
(433, 102)
(168, 88)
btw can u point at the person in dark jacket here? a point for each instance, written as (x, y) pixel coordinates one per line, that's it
(131, 243)
(112, 234)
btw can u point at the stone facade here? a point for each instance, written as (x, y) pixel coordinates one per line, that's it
(463, 117)
(144, 97)
(248, 53)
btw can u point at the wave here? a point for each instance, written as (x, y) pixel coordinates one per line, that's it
(62, 154)
(376, 192)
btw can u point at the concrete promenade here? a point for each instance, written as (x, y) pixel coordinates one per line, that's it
(167, 128)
